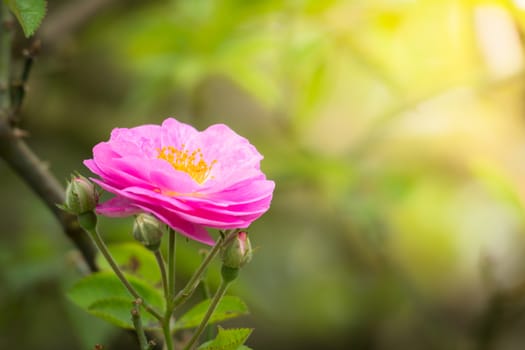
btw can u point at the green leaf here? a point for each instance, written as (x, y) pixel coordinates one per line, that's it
(103, 295)
(229, 307)
(29, 13)
(134, 259)
(228, 339)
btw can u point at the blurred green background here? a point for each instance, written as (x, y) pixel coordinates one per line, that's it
(394, 130)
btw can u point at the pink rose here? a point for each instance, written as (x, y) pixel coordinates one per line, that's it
(188, 179)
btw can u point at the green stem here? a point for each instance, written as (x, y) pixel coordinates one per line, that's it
(205, 289)
(168, 345)
(162, 268)
(192, 284)
(214, 302)
(171, 264)
(107, 255)
(137, 323)
(169, 291)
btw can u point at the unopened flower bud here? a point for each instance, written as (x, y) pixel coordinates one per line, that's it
(238, 251)
(81, 196)
(148, 231)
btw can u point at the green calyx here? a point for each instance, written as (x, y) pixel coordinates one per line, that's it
(229, 273)
(88, 220)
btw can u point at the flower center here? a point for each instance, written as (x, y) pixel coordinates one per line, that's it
(192, 163)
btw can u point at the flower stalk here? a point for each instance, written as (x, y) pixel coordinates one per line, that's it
(163, 275)
(166, 331)
(213, 305)
(205, 294)
(194, 281)
(137, 323)
(171, 263)
(95, 236)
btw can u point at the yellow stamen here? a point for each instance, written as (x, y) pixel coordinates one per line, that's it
(192, 163)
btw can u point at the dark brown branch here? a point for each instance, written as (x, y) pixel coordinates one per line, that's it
(38, 177)
(19, 86)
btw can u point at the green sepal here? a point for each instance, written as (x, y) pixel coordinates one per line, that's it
(229, 274)
(29, 13)
(88, 220)
(103, 295)
(229, 307)
(228, 339)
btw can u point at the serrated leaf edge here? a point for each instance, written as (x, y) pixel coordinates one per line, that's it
(179, 326)
(231, 345)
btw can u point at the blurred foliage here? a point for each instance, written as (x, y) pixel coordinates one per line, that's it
(394, 131)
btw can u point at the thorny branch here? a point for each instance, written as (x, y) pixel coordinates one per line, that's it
(21, 158)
